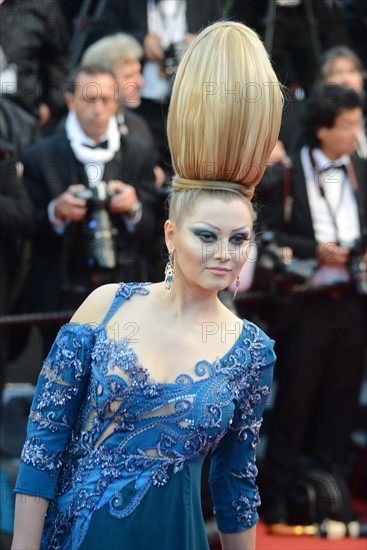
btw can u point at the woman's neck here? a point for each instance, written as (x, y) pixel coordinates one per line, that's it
(189, 303)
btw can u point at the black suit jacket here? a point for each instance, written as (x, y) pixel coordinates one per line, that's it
(137, 126)
(327, 18)
(16, 220)
(130, 16)
(50, 167)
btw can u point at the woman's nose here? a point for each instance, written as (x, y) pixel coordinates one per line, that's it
(222, 252)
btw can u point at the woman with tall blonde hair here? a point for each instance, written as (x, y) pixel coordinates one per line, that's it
(147, 379)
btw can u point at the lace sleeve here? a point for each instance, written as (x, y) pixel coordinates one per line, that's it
(233, 470)
(55, 408)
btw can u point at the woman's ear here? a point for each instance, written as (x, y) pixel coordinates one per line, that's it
(169, 234)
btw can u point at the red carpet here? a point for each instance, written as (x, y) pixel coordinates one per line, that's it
(306, 542)
(276, 542)
(272, 542)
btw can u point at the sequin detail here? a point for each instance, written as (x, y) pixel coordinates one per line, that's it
(246, 508)
(36, 454)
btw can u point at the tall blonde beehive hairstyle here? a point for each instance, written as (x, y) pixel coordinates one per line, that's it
(225, 110)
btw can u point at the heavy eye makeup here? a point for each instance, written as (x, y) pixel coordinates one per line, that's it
(210, 237)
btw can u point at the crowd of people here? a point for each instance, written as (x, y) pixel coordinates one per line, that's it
(87, 165)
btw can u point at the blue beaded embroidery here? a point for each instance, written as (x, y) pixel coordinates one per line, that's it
(120, 437)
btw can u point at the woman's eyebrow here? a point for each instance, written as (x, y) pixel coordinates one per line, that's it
(219, 229)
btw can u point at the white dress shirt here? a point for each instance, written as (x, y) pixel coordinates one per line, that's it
(167, 18)
(333, 206)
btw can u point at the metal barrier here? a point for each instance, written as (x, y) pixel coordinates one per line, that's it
(38, 318)
(34, 318)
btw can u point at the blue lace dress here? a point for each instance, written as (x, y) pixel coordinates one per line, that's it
(119, 455)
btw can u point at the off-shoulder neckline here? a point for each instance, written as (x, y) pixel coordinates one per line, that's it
(124, 341)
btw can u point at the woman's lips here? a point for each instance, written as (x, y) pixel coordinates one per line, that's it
(220, 271)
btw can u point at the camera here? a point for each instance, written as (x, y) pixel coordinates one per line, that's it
(173, 55)
(358, 265)
(98, 230)
(275, 271)
(96, 197)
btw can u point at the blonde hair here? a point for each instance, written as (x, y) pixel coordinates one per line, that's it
(113, 49)
(225, 111)
(182, 204)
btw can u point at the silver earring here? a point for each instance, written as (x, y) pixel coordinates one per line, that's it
(168, 272)
(236, 288)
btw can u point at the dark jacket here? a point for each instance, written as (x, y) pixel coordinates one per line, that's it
(137, 126)
(294, 36)
(50, 167)
(18, 128)
(34, 37)
(16, 221)
(130, 16)
(326, 18)
(297, 232)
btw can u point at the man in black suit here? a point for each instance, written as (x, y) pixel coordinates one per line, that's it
(295, 34)
(16, 224)
(80, 243)
(131, 16)
(321, 353)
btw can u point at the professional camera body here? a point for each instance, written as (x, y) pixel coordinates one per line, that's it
(357, 264)
(275, 271)
(96, 197)
(173, 56)
(98, 229)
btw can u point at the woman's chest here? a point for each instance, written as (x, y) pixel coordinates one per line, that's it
(168, 353)
(183, 419)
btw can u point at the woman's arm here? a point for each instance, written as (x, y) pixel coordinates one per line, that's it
(30, 514)
(243, 540)
(232, 470)
(59, 395)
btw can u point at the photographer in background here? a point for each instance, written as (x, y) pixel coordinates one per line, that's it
(321, 352)
(16, 223)
(295, 33)
(94, 194)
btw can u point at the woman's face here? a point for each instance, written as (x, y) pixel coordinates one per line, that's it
(211, 244)
(344, 72)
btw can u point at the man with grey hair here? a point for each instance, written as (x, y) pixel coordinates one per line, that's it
(121, 53)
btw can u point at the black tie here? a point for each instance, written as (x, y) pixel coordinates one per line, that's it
(334, 167)
(102, 145)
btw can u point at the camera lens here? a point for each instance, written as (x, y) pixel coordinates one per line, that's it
(358, 272)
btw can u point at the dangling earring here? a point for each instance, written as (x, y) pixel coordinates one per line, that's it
(236, 288)
(168, 272)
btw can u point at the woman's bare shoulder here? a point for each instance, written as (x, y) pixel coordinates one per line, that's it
(94, 308)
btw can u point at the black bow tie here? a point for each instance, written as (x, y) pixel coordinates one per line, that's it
(334, 167)
(102, 145)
